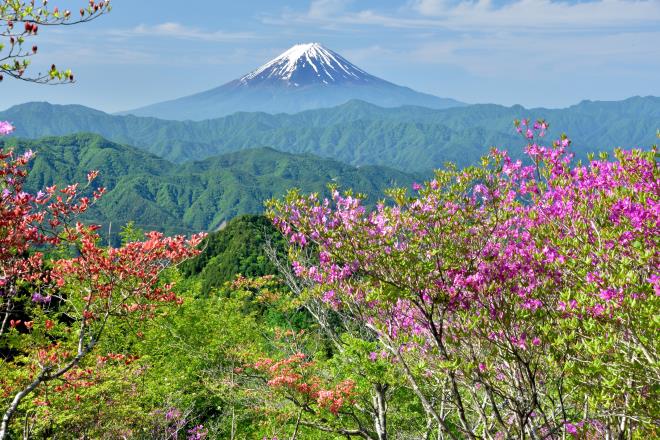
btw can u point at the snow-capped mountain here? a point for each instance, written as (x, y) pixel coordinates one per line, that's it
(306, 76)
(306, 64)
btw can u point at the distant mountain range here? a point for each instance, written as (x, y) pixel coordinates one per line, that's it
(307, 76)
(413, 139)
(194, 196)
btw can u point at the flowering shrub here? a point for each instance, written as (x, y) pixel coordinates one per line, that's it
(171, 424)
(293, 378)
(197, 433)
(517, 299)
(59, 288)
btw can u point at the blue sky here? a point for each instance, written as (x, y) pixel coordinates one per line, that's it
(531, 52)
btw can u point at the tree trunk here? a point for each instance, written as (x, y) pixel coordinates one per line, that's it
(4, 427)
(380, 404)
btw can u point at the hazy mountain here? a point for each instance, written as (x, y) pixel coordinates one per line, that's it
(408, 138)
(195, 196)
(307, 76)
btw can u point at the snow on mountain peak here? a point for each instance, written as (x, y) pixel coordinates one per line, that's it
(305, 64)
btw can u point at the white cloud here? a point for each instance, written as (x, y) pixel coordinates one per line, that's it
(181, 32)
(483, 15)
(525, 37)
(540, 57)
(430, 7)
(540, 14)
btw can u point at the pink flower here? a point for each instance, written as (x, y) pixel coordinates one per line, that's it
(607, 294)
(5, 128)
(655, 281)
(329, 296)
(571, 429)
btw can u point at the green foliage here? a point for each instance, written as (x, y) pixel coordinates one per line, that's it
(191, 355)
(199, 358)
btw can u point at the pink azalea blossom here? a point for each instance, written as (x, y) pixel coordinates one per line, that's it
(5, 128)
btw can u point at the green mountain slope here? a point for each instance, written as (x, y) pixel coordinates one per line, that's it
(195, 196)
(407, 138)
(236, 249)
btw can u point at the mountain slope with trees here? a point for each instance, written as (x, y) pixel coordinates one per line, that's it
(157, 194)
(236, 249)
(358, 133)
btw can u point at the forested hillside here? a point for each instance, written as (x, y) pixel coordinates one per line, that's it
(237, 249)
(190, 197)
(406, 138)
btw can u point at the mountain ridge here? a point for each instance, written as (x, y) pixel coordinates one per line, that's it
(415, 139)
(190, 197)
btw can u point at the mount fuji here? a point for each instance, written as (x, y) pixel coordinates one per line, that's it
(307, 76)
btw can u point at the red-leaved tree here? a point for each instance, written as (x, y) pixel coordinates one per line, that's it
(59, 288)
